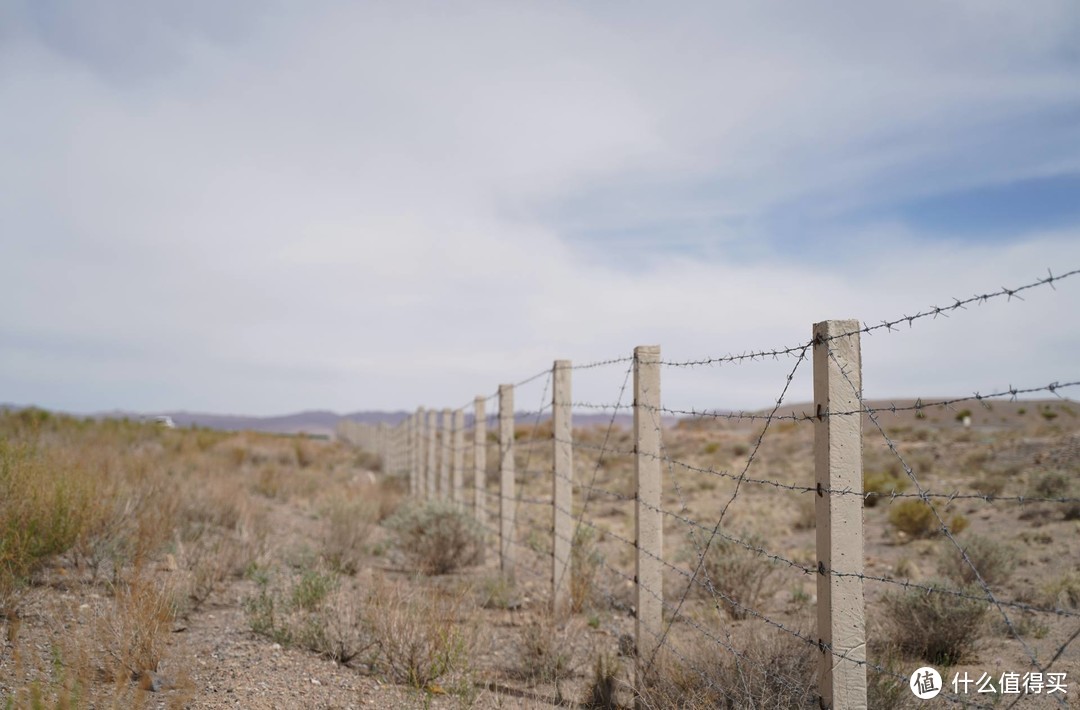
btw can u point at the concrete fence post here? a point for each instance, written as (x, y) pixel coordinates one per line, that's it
(380, 446)
(648, 522)
(838, 467)
(421, 451)
(562, 488)
(457, 473)
(480, 461)
(444, 454)
(414, 453)
(429, 468)
(506, 479)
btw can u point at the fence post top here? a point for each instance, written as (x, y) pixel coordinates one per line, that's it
(836, 326)
(562, 365)
(646, 350)
(505, 388)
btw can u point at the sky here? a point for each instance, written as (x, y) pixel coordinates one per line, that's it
(265, 207)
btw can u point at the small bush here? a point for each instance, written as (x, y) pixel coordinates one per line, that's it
(880, 485)
(601, 693)
(771, 671)
(916, 518)
(135, 630)
(884, 691)
(742, 579)
(585, 563)
(349, 524)
(938, 627)
(546, 652)
(496, 591)
(437, 536)
(311, 589)
(1051, 484)
(995, 561)
(419, 636)
(1063, 592)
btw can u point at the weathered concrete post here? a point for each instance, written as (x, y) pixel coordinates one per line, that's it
(421, 452)
(457, 473)
(415, 432)
(506, 479)
(432, 432)
(380, 446)
(648, 522)
(562, 488)
(838, 467)
(480, 461)
(444, 454)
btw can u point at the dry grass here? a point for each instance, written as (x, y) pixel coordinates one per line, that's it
(144, 524)
(422, 637)
(140, 524)
(764, 671)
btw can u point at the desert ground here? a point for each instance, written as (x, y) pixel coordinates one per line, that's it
(151, 567)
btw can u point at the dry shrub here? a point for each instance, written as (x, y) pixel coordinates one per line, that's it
(134, 630)
(938, 627)
(805, 517)
(389, 493)
(995, 561)
(422, 636)
(604, 684)
(884, 691)
(741, 578)
(586, 560)
(546, 650)
(437, 537)
(1063, 592)
(41, 511)
(336, 628)
(771, 670)
(349, 524)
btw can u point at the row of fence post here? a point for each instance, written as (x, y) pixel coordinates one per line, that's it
(433, 459)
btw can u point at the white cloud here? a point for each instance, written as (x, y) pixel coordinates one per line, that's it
(367, 206)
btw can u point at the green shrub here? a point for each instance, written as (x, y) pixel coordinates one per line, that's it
(916, 518)
(437, 536)
(938, 627)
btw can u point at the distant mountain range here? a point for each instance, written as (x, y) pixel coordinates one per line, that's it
(320, 422)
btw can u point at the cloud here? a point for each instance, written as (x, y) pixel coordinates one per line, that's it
(364, 206)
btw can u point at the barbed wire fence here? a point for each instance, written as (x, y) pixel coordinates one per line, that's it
(535, 485)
